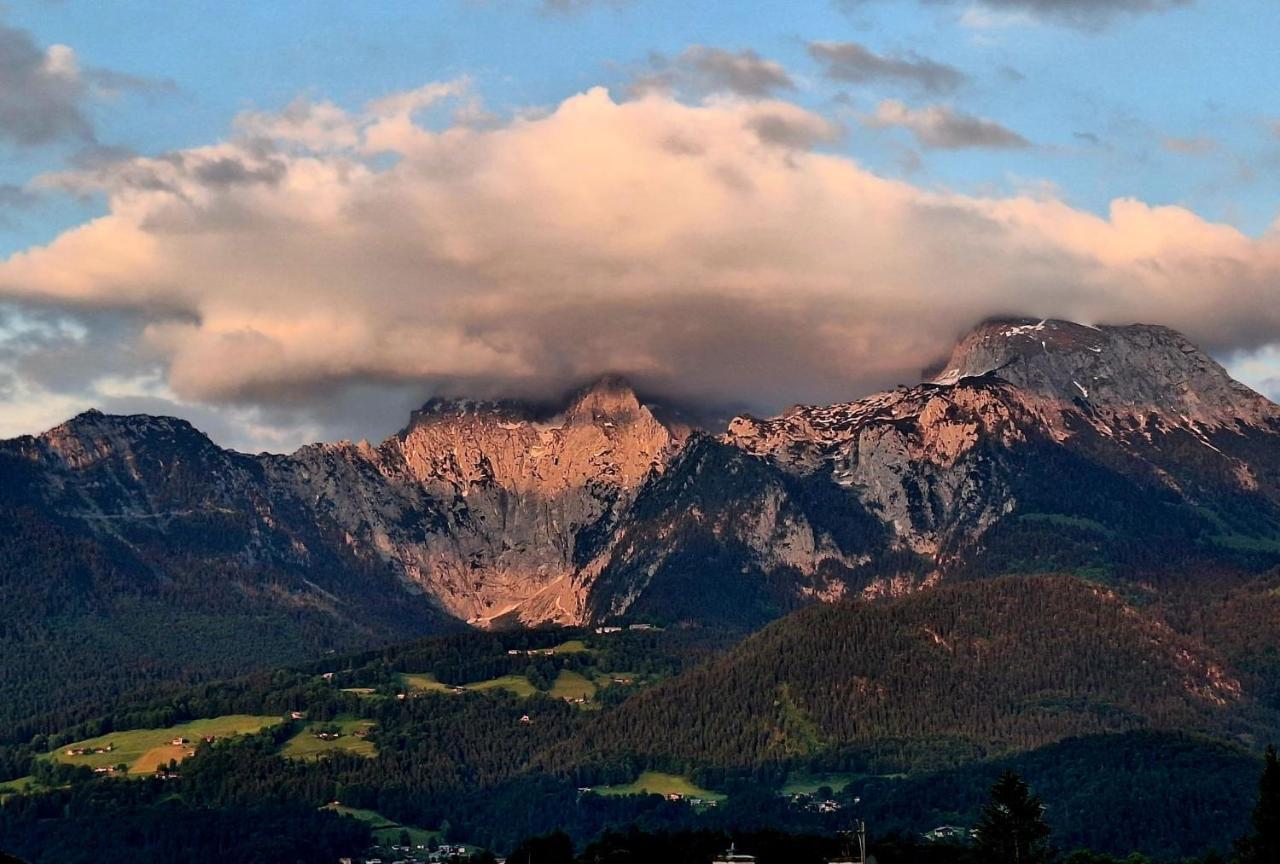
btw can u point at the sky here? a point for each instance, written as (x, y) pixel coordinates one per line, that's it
(297, 221)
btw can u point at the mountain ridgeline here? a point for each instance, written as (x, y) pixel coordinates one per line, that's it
(134, 549)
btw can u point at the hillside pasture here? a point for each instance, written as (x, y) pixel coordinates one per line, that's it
(423, 682)
(305, 745)
(386, 832)
(571, 685)
(659, 783)
(143, 750)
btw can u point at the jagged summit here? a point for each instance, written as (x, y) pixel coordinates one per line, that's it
(509, 512)
(1132, 369)
(609, 396)
(93, 435)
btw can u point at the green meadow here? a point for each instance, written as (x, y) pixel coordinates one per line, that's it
(386, 832)
(658, 783)
(305, 745)
(143, 750)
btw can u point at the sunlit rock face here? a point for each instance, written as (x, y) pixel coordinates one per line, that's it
(484, 504)
(1042, 446)
(1025, 411)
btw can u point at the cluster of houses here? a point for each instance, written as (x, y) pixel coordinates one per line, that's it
(89, 751)
(811, 803)
(635, 628)
(417, 854)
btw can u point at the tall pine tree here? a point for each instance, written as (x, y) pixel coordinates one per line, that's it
(1012, 829)
(1263, 845)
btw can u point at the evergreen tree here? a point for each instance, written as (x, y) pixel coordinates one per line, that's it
(1263, 845)
(1012, 829)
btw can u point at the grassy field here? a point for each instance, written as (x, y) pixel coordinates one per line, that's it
(9, 788)
(657, 783)
(385, 831)
(605, 679)
(807, 784)
(145, 749)
(572, 685)
(362, 692)
(305, 745)
(424, 682)
(516, 684)
(573, 646)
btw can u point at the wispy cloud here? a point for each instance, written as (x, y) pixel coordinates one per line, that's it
(1194, 146)
(850, 61)
(701, 69)
(1087, 14)
(44, 91)
(943, 128)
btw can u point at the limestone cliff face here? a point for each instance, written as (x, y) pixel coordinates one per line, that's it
(485, 505)
(944, 461)
(1041, 446)
(1130, 370)
(920, 457)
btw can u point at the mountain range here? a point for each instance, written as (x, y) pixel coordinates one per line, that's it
(135, 548)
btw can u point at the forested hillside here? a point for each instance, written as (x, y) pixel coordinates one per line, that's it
(1142, 735)
(964, 671)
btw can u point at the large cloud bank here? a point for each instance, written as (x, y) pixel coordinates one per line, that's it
(711, 252)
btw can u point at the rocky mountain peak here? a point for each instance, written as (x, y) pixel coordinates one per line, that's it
(1132, 369)
(93, 436)
(609, 399)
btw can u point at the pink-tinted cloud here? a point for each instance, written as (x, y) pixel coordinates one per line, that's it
(704, 250)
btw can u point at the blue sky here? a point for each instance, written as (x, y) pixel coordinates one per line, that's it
(1170, 106)
(1204, 71)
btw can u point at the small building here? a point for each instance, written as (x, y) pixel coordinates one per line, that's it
(179, 741)
(526, 719)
